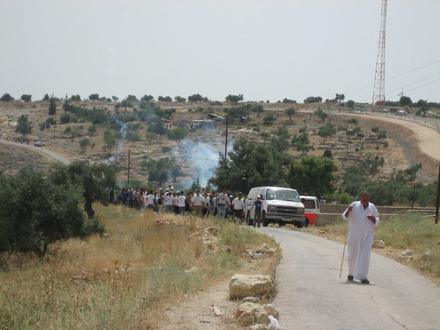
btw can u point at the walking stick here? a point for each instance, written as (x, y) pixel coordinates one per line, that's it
(343, 256)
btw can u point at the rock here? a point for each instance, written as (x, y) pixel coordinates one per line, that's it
(227, 249)
(266, 250)
(212, 231)
(271, 225)
(378, 244)
(255, 300)
(290, 226)
(258, 327)
(217, 312)
(273, 323)
(406, 255)
(242, 285)
(427, 255)
(264, 311)
(246, 313)
(276, 225)
(321, 232)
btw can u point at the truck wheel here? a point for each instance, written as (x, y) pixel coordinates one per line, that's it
(299, 224)
(264, 220)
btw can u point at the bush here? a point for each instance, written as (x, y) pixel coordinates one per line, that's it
(269, 119)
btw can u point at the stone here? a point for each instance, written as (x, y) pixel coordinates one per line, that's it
(255, 300)
(258, 327)
(217, 312)
(290, 226)
(244, 285)
(246, 313)
(212, 231)
(321, 232)
(406, 255)
(264, 311)
(378, 244)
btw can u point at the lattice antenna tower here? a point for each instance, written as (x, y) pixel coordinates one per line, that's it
(379, 77)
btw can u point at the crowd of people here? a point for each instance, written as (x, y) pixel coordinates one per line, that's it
(202, 203)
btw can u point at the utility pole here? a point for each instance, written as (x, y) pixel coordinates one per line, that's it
(128, 170)
(226, 137)
(437, 204)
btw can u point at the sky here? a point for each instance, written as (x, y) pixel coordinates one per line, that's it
(265, 50)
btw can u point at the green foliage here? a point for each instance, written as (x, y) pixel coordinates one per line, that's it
(24, 126)
(177, 134)
(6, 98)
(160, 170)
(156, 126)
(234, 98)
(131, 99)
(110, 137)
(350, 104)
(290, 112)
(94, 97)
(321, 114)
(165, 99)
(327, 130)
(197, 98)
(147, 98)
(327, 153)
(84, 143)
(249, 165)
(339, 98)
(180, 99)
(269, 119)
(405, 101)
(95, 116)
(301, 142)
(313, 99)
(312, 174)
(45, 97)
(52, 108)
(75, 98)
(36, 210)
(26, 97)
(344, 198)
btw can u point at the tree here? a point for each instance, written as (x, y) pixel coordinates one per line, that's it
(94, 97)
(6, 98)
(52, 106)
(269, 119)
(165, 99)
(321, 114)
(422, 108)
(84, 143)
(327, 130)
(147, 98)
(110, 137)
(75, 98)
(339, 98)
(327, 154)
(313, 99)
(36, 211)
(290, 112)
(312, 174)
(26, 98)
(156, 126)
(258, 109)
(234, 98)
(405, 101)
(115, 98)
(179, 99)
(24, 126)
(177, 134)
(132, 99)
(197, 98)
(249, 165)
(45, 97)
(301, 142)
(350, 104)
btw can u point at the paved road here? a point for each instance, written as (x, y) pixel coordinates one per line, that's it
(43, 151)
(311, 295)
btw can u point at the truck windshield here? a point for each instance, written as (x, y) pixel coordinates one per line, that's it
(282, 194)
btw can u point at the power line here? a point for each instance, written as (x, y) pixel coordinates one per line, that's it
(415, 82)
(395, 77)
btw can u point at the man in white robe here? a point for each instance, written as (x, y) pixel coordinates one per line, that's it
(363, 218)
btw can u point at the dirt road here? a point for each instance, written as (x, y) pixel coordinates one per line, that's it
(45, 152)
(311, 295)
(428, 139)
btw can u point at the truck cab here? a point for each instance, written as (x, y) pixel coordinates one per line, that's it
(279, 205)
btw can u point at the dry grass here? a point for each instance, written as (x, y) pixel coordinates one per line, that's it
(409, 231)
(116, 281)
